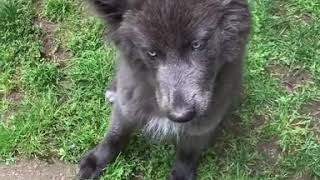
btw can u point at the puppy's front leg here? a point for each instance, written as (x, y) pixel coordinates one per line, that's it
(93, 163)
(111, 92)
(188, 151)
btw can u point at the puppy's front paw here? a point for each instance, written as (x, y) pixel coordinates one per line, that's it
(111, 96)
(111, 92)
(89, 167)
(180, 173)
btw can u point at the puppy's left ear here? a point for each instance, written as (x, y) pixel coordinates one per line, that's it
(112, 11)
(236, 16)
(235, 27)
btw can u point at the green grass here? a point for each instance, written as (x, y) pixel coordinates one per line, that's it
(61, 112)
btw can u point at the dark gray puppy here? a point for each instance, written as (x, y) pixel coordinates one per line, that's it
(179, 74)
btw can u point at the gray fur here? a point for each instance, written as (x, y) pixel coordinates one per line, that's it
(179, 73)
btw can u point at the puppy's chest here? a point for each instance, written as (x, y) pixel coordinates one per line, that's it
(162, 128)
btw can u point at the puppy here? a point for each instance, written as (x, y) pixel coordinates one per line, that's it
(179, 73)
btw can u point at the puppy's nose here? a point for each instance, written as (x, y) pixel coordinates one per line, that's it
(182, 115)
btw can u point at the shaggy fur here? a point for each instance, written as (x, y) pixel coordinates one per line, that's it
(179, 73)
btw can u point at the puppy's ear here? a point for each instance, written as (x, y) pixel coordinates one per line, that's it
(236, 26)
(112, 11)
(236, 18)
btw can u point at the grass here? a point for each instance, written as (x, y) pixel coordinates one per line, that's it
(56, 109)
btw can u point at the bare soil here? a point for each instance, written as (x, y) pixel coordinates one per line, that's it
(16, 98)
(233, 126)
(270, 149)
(258, 121)
(290, 79)
(228, 129)
(304, 176)
(51, 49)
(37, 170)
(313, 109)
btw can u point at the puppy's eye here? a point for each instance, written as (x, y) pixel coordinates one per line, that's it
(152, 54)
(196, 45)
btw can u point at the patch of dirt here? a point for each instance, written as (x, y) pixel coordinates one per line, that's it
(15, 97)
(256, 168)
(233, 126)
(290, 79)
(258, 121)
(51, 49)
(7, 116)
(137, 176)
(270, 149)
(37, 170)
(229, 129)
(305, 18)
(282, 10)
(304, 176)
(313, 109)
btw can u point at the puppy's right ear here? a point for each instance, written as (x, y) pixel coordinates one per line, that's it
(111, 10)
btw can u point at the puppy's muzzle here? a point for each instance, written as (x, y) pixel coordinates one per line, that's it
(180, 110)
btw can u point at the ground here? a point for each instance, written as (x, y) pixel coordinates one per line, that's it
(55, 65)
(37, 170)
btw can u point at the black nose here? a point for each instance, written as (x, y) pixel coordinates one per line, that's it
(182, 115)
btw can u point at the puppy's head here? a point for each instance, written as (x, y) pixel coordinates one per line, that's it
(182, 44)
